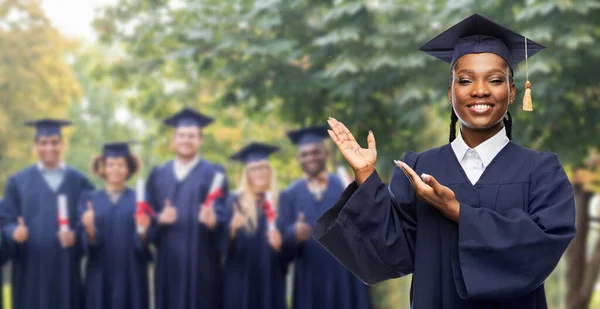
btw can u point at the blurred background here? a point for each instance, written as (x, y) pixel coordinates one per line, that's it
(261, 67)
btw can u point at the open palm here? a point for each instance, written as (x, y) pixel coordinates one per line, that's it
(357, 157)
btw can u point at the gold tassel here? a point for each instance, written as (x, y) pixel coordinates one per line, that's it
(527, 104)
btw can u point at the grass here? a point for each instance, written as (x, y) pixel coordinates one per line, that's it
(6, 296)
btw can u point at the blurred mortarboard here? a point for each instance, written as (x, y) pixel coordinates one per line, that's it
(188, 117)
(308, 135)
(116, 149)
(47, 127)
(254, 152)
(478, 34)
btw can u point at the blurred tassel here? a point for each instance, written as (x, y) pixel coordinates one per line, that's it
(527, 103)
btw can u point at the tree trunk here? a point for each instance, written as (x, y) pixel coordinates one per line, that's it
(581, 274)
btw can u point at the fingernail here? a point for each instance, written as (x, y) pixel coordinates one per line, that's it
(425, 177)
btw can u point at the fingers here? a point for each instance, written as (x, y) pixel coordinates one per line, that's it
(21, 221)
(334, 137)
(412, 176)
(346, 132)
(90, 207)
(371, 140)
(301, 217)
(432, 182)
(168, 203)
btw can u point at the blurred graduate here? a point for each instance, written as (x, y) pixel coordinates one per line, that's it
(254, 276)
(480, 222)
(188, 194)
(117, 252)
(39, 219)
(320, 281)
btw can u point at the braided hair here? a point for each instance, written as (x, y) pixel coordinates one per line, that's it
(454, 118)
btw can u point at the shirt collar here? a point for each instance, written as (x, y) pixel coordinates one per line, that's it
(486, 150)
(61, 167)
(190, 164)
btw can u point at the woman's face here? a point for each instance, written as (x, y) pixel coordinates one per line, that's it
(116, 170)
(259, 175)
(481, 91)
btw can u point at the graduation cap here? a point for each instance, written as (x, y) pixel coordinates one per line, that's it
(254, 152)
(116, 149)
(47, 127)
(188, 117)
(478, 34)
(309, 135)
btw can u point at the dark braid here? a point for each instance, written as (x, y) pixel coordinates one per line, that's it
(508, 125)
(453, 121)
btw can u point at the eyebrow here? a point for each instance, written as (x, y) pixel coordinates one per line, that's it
(495, 70)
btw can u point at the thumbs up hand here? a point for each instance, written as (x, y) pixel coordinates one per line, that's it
(237, 220)
(168, 215)
(208, 217)
(302, 229)
(88, 217)
(20, 234)
(275, 240)
(66, 238)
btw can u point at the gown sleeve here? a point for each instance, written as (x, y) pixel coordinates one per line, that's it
(11, 210)
(286, 220)
(371, 230)
(152, 199)
(505, 255)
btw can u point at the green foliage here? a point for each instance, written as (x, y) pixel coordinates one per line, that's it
(35, 79)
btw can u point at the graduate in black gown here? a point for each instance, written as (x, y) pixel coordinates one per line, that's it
(480, 222)
(187, 234)
(117, 253)
(320, 281)
(46, 262)
(254, 276)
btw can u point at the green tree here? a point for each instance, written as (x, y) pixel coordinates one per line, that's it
(35, 79)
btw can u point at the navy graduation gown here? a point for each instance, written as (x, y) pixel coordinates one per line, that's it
(254, 276)
(515, 223)
(44, 274)
(117, 261)
(188, 268)
(320, 281)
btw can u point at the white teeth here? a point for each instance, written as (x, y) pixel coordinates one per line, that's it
(481, 106)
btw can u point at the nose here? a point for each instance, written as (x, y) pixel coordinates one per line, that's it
(480, 89)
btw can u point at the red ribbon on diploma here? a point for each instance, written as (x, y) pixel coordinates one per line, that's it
(212, 197)
(62, 221)
(269, 211)
(143, 207)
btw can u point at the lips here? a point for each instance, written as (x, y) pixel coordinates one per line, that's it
(480, 107)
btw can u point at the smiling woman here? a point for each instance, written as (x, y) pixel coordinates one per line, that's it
(480, 222)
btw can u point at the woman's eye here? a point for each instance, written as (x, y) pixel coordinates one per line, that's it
(497, 81)
(463, 81)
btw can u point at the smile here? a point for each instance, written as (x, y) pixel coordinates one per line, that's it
(480, 107)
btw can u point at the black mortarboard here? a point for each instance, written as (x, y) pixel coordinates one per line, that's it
(477, 34)
(116, 149)
(254, 152)
(188, 117)
(308, 135)
(48, 127)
